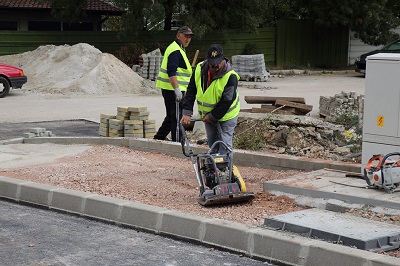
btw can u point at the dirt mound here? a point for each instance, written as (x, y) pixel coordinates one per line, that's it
(78, 69)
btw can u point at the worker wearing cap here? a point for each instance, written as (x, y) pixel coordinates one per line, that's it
(173, 79)
(214, 86)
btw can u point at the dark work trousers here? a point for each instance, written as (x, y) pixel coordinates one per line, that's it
(169, 123)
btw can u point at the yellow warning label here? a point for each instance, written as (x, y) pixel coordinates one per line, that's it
(380, 121)
(218, 160)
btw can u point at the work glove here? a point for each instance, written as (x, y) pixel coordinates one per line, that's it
(178, 94)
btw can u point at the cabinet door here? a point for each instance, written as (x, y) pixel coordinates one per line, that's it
(382, 97)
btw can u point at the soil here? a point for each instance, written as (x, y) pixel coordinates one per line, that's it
(170, 182)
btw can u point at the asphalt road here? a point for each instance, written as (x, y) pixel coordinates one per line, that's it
(60, 128)
(32, 236)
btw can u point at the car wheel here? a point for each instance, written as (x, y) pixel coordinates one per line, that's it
(4, 87)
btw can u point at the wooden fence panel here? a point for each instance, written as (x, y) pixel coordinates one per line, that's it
(304, 44)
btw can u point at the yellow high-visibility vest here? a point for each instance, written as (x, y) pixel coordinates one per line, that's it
(182, 75)
(207, 100)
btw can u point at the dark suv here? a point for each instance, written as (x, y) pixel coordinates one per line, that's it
(10, 77)
(393, 47)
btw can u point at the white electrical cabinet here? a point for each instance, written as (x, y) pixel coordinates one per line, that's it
(381, 125)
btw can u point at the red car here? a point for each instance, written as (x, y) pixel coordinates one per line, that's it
(10, 77)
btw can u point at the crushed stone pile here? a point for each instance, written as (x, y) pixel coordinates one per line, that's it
(80, 69)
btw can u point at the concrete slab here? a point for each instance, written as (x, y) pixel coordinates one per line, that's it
(332, 185)
(339, 228)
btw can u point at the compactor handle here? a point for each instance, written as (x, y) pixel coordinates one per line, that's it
(186, 149)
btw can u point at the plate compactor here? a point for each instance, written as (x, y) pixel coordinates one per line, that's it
(382, 172)
(219, 180)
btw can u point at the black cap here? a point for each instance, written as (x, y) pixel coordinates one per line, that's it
(215, 54)
(185, 30)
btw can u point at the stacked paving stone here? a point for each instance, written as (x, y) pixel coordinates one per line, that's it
(250, 67)
(151, 63)
(38, 132)
(116, 128)
(129, 122)
(330, 107)
(105, 125)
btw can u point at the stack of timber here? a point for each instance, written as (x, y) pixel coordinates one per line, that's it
(278, 105)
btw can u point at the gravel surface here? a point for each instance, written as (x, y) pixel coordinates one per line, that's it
(155, 179)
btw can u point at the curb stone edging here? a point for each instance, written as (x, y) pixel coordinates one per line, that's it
(256, 242)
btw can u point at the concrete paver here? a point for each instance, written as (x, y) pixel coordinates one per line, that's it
(324, 184)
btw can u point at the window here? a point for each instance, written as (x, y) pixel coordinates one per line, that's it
(8, 25)
(394, 46)
(44, 25)
(79, 26)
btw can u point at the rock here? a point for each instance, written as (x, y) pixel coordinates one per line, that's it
(341, 150)
(295, 138)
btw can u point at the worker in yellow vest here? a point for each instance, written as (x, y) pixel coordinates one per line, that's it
(214, 86)
(173, 79)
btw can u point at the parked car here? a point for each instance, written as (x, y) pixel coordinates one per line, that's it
(393, 47)
(11, 77)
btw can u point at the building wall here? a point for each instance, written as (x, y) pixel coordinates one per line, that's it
(357, 47)
(22, 18)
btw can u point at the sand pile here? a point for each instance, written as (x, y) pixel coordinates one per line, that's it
(78, 69)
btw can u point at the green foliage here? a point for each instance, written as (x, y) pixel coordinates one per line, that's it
(248, 141)
(352, 135)
(68, 10)
(252, 48)
(250, 136)
(130, 53)
(205, 16)
(146, 14)
(371, 20)
(347, 118)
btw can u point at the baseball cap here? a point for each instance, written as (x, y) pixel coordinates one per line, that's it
(185, 30)
(215, 54)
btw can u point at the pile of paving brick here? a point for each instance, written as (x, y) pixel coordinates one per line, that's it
(149, 65)
(130, 121)
(331, 107)
(38, 132)
(250, 67)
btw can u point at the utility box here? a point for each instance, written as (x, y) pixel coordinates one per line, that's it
(381, 125)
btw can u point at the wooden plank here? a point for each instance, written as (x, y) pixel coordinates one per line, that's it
(276, 110)
(274, 107)
(272, 99)
(303, 108)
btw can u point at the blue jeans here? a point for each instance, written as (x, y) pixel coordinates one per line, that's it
(227, 128)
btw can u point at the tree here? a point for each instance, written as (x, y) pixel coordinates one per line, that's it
(147, 14)
(371, 20)
(68, 10)
(205, 16)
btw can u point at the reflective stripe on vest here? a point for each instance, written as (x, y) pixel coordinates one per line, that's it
(182, 75)
(207, 100)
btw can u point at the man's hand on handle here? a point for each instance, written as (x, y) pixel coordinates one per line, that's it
(206, 119)
(186, 120)
(178, 94)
